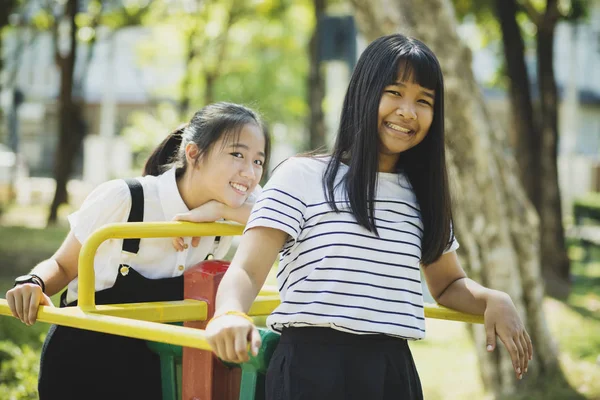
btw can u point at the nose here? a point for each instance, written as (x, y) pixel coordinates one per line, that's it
(406, 111)
(247, 170)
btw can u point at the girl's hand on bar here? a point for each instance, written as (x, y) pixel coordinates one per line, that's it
(24, 301)
(502, 319)
(230, 337)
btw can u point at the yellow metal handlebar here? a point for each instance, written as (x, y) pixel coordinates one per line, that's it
(86, 299)
(146, 320)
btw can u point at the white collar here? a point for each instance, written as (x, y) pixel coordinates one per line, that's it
(168, 193)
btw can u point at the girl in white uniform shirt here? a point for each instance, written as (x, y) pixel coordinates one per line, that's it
(355, 229)
(213, 166)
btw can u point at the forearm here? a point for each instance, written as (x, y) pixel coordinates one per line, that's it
(55, 278)
(249, 269)
(237, 292)
(239, 215)
(466, 295)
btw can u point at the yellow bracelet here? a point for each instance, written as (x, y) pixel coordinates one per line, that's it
(238, 313)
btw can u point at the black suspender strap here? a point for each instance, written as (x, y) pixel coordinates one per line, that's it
(136, 214)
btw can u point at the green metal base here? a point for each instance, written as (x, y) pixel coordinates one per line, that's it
(252, 385)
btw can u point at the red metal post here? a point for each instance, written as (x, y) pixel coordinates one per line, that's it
(204, 377)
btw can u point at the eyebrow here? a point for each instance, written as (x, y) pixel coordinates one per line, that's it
(243, 146)
(427, 93)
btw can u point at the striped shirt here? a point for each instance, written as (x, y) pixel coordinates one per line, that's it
(332, 271)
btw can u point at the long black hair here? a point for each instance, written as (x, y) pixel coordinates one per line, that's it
(206, 127)
(358, 144)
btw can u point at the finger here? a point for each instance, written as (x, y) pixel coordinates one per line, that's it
(10, 299)
(521, 354)
(33, 307)
(255, 341)
(19, 306)
(525, 348)
(529, 346)
(183, 217)
(217, 348)
(179, 243)
(46, 300)
(241, 347)
(195, 241)
(513, 352)
(27, 300)
(490, 335)
(229, 349)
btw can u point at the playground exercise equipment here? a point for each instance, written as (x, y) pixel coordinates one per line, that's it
(181, 324)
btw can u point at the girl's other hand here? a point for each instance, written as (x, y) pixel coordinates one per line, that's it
(229, 337)
(501, 318)
(24, 301)
(208, 212)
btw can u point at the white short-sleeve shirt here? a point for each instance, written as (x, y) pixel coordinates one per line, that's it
(110, 202)
(332, 271)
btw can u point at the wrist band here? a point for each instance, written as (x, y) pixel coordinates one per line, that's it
(41, 282)
(238, 313)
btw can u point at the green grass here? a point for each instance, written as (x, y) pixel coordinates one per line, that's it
(22, 248)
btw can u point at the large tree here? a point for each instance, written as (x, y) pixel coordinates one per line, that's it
(495, 222)
(534, 119)
(70, 129)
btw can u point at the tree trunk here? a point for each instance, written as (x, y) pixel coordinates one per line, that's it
(555, 262)
(495, 223)
(316, 85)
(526, 140)
(70, 132)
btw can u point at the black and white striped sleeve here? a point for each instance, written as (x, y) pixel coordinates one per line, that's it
(281, 204)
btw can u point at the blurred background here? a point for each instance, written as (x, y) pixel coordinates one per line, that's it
(88, 88)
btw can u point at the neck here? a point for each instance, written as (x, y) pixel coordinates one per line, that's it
(387, 162)
(188, 190)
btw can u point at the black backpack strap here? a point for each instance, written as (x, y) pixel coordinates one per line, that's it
(136, 214)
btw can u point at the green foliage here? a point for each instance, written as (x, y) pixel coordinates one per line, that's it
(588, 206)
(22, 248)
(482, 12)
(19, 370)
(254, 52)
(146, 130)
(245, 51)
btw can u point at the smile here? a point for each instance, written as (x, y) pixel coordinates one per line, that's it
(239, 187)
(398, 128)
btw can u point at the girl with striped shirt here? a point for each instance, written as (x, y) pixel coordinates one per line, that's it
(354, 230)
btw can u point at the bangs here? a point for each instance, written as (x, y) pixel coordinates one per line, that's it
(418, 67)
(231, 134)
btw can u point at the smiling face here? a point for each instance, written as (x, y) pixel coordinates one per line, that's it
(405, 115)
(230, 171)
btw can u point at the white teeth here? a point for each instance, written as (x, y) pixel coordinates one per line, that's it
(239, 187)
(397, 127)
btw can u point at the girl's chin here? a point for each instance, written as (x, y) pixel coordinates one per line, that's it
(235, 203)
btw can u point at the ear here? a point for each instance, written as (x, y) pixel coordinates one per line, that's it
(191, 153)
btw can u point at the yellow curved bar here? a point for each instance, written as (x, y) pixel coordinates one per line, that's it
(440, 312)
(85, 272)
(265, 304)
(75, 317)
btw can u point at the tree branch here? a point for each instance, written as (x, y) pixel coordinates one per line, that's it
(530, 10)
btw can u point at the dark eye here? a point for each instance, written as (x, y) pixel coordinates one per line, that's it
(395, 93)
(237, 154)
(425, 102)
(259, 162)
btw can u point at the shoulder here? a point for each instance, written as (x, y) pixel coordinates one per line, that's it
(304, 167)
(115, 190)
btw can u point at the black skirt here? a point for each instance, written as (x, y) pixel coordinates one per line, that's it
(326, 364)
